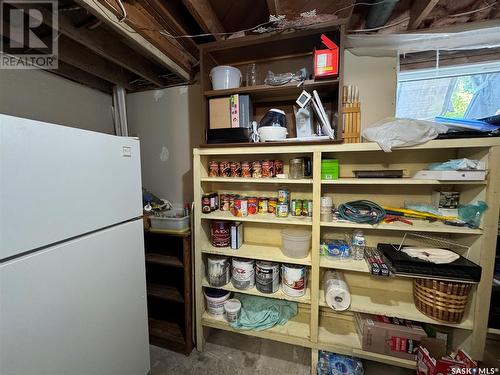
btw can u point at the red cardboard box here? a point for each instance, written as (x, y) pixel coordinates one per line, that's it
(427, 364)
(326, 61)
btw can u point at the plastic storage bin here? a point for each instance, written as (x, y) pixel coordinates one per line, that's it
(225, 77)
(295, 243)
(173, 219)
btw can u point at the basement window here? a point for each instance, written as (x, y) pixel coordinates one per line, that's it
(467, 91)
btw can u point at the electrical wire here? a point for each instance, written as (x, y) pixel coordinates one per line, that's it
(123, 11)
(361, 211)
(473, 11)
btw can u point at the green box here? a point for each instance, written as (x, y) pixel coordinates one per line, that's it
(329, 169)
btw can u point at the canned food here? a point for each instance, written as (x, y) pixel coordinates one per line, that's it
(267, 168)
(235, 168)
(224, 169)
(296, 208)
(213, 169)
(271, 205)
(246, 170)
(232, 197)
(224, 202)
(240, 207)
(282, 210)
(307, 207)
(263, 205)
(283, 195)
(278, 167)
(256, 169)
(214, 201)
(205, 204)
(220, 233)
(253, 205)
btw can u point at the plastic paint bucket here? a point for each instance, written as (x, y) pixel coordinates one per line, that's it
(218, 273)
(243, 273)
(293, 280)
(215, 300)
(232, 309)
(225, 77)
(267, 277)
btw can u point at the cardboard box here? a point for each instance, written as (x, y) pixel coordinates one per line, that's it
(219, 110)
(427, 364)
(326, 61)
(390, 336)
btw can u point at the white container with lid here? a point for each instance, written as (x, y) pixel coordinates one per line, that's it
(232, 309)
(295, 243)
(225, 77)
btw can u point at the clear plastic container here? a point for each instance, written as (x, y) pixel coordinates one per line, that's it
(173, 219)
(295, 243)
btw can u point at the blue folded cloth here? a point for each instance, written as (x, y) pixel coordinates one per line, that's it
(260, 313)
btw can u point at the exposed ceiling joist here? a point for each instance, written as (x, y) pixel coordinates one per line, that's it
(82, 77)
(273, 7)
(203, 13)
(419, 10)
(104, 44)
(148, 45)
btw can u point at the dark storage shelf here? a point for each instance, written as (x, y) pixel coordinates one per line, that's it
(163, 332)
(165, 292)
(163, 260)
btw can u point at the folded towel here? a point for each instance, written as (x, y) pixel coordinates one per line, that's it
(433, 255)
(260, 313)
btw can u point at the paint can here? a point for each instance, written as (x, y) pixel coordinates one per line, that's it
(293, 280)
(218, 273)
(216, 298)
(267, 277)
(220, 233)
(243, 273)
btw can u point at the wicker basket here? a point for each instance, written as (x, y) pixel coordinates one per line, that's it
(441, 300)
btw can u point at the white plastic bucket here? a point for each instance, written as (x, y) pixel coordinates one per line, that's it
(232, 309)
(295, 243)
(225, 77)
(293, 280)
(215, 301)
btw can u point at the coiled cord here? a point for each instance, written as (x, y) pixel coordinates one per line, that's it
(362, 211)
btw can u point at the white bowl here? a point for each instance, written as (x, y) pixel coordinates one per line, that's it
(272, 133)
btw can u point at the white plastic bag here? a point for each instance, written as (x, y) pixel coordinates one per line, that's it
(402, 132)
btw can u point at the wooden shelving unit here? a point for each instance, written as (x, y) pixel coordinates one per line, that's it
(317, 326)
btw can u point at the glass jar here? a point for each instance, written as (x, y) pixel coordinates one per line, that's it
(251, 76)
(296, 168)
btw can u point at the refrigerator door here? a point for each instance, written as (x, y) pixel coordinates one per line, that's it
(58, 182)
(77, 307)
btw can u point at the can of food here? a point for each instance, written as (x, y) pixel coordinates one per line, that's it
(240, 207)
(232, 197)
(235, 168)
(214, 201)
(213, 169)
(267, 277)
(282, 210)
(263, 205)
(224, 202)
(220, 232)
(267, 168)
(296, 207)
(256, 169)
(218, 271)
(278, 167)
(243, 273)
(224, 169)
(253, 205)
(307, 207)
(271, 205)
(293, 280)
(246, 170)
(205, 203)
(283, 195)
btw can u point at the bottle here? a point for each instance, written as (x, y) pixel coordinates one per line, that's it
(358, 245)
(251, 77)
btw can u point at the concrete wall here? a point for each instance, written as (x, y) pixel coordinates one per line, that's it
(168, 122)
(43, 96)
(376, 78)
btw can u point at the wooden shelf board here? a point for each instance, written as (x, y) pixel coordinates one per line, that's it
(392, 304)
(387, 359)
(166, 330)
(255, 251)
(258, 218)
(306, 298)
(163, 260)
(348, 265)
(267, 93)
(396, 181)
(295, 331)
(418, 226)
(168, 293)
(494, 331)
(258, 180)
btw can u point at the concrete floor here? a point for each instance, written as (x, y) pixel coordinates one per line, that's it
(231, 353)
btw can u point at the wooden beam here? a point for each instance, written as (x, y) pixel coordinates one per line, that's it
(203, 13)
(77, 75)
(273, 7)
(170, 22)
(104, 44)
(154, 48)
(419, 10)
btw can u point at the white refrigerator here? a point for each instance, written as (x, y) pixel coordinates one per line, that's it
(72, 271)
